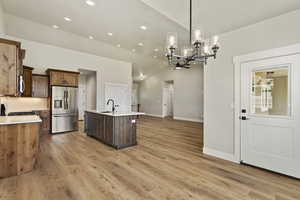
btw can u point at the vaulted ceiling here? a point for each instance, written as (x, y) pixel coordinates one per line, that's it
(123, 18)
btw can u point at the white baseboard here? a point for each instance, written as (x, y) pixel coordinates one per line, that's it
(189, 119)
(219, 154)
(153, 115)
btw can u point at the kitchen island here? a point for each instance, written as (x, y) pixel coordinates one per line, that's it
(19, 144)
(117, 130)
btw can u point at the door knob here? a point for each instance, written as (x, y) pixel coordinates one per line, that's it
(244, 118)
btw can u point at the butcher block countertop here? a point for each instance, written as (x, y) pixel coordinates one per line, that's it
(11, 120)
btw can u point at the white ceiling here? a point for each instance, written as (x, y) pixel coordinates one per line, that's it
(124, 17)
(219, 16)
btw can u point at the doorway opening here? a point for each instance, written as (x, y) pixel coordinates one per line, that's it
(87, 96)
(135, 105)
(168, 99)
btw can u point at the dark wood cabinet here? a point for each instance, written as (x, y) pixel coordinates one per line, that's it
(108, 133)
(45, 117)
(10, 67)
(27, 76)
(19, 148)
(116, 131)
(63, 78)
(125, 130)
(36, 85)
(56, 78)
(40, 86)
(70, 79)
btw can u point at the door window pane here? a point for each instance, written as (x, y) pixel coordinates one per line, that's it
(270, 92)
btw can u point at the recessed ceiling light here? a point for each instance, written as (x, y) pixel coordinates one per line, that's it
(156, 50)
(119, 45)
(143, 27)
(133, 50)
(141, 44)
(90, 2)
(91, 37)
(67, 19)
(109, 34)
(55, 27)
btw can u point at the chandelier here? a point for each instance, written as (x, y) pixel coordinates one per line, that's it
(198, 51)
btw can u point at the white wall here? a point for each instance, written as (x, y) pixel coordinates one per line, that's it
(2, 20)
(41, 56)
(121, 94)
(219, 75)
(188, 93)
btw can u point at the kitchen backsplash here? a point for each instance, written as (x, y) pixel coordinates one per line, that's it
(20, 104)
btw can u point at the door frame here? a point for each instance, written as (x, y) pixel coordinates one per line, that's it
(238, 61)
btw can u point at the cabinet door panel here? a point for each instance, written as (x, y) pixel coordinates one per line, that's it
(92, 126)
(125, 131)
(108, 132)
(56, 78)
(40, 86)
(8, 69)
(46, 121)
(27, 75)
(100, 127)
(70, 79)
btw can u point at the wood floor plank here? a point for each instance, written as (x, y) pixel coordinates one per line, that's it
(166, 164)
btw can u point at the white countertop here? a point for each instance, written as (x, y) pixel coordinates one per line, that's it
(116, 114)
(10, 120)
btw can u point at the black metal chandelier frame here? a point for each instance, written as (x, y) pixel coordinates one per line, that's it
(198, 52)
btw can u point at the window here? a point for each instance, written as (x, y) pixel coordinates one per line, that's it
(270, 92)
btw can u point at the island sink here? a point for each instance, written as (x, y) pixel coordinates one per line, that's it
(117, 130)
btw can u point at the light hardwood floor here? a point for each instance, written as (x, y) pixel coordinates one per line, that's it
(166, 164)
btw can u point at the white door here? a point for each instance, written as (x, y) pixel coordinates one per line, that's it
(165, 101)
(270, 106)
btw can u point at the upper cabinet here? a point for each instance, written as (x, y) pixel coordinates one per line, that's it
(63, 78)
(11, 57)
(40, 85)
(27, 76)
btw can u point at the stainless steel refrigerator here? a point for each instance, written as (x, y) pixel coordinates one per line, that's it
(64, 109)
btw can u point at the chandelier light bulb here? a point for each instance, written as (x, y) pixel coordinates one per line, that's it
(206, 49)
(197, 35)
(172, 40)
(215, 40)
(185, 52)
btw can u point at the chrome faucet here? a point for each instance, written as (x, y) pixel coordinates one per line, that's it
(113, 104)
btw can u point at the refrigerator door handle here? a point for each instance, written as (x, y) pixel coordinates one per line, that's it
(66, 105)
(67, 100)
(64, 99)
